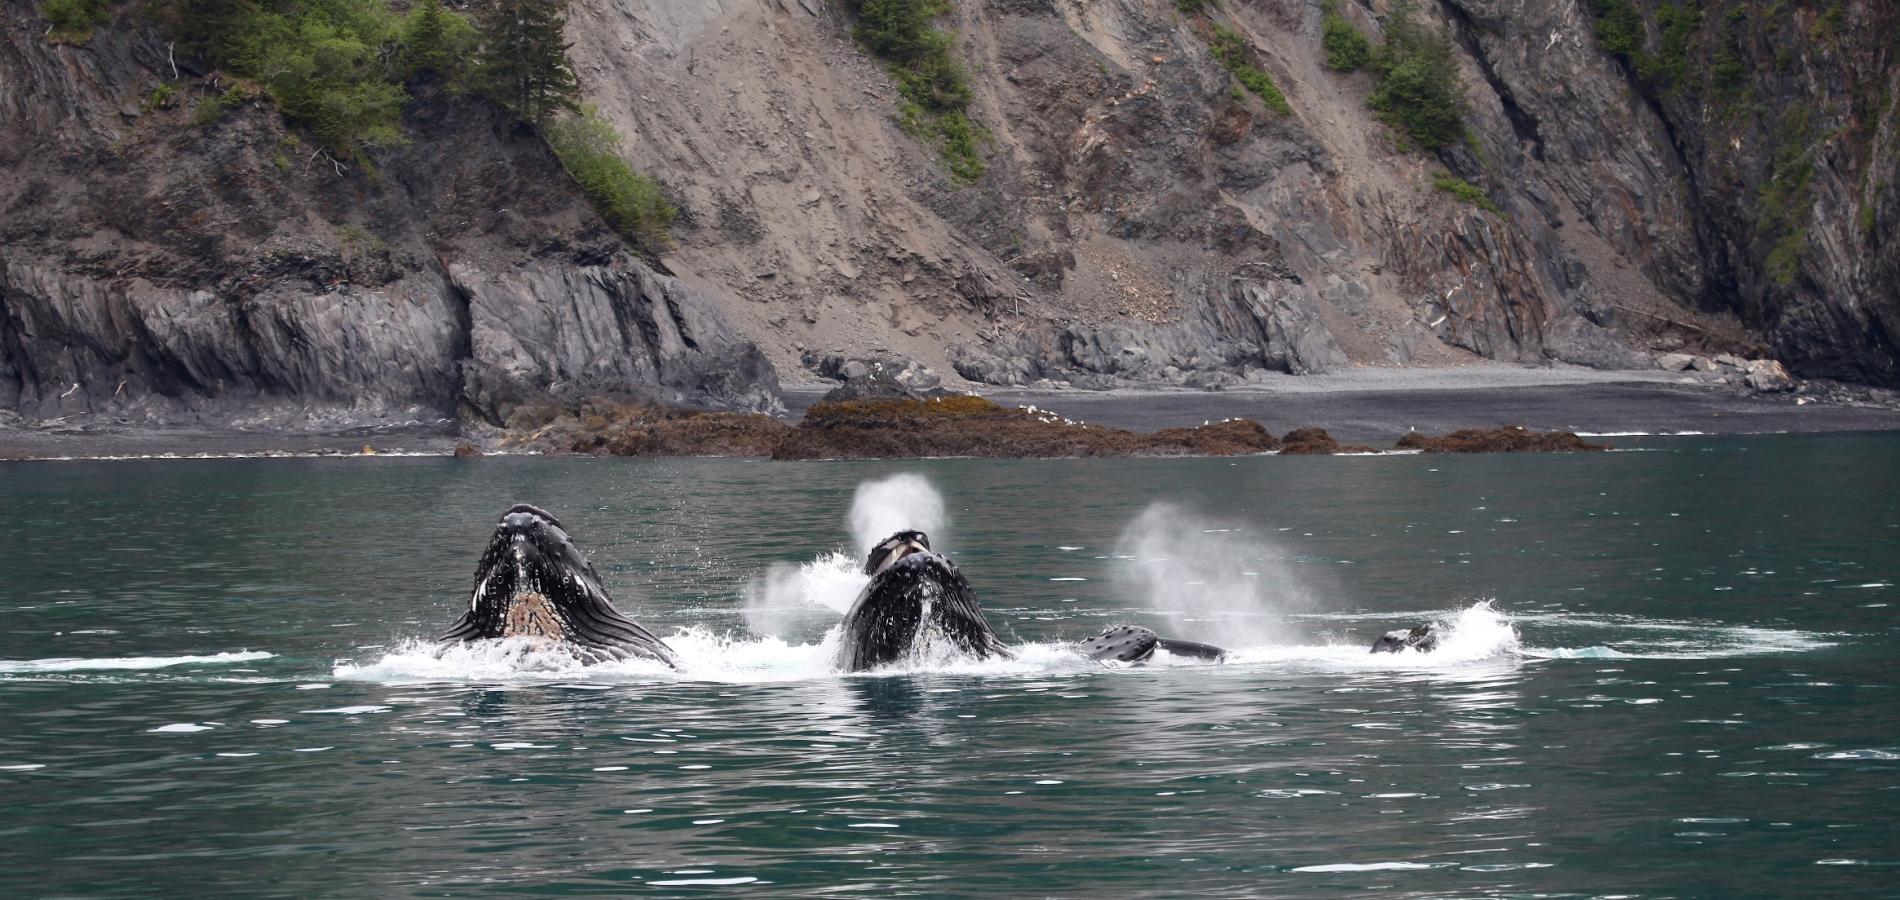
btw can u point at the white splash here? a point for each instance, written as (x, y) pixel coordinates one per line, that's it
(1474, 638)
(901, 502)
(1478, 633)
(789, 595)
(1229, 580)
(65, 664)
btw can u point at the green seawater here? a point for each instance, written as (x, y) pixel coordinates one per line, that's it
(1667, 672)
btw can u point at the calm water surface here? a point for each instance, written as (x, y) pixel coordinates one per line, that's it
(1667, 674)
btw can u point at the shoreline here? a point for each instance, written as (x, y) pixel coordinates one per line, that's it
(1372, 406)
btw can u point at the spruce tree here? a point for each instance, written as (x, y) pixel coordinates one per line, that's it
(523, 61)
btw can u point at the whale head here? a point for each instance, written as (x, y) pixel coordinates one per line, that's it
(1422, 638)
(894, 548)
(533, 582)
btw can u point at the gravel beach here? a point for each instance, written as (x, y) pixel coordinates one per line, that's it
(1371, 406)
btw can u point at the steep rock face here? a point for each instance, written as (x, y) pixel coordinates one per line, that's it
(1742, 154)
(73, 345)
(1128, 182)
(1246, 329)
(580, 330)
(156, 267)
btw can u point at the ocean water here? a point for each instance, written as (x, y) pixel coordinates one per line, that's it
(1666, 673)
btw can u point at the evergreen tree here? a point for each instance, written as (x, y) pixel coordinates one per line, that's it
(436, 40)
(523, 60)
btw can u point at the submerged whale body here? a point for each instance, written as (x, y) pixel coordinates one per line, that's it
(915, 594)
(1423, 638)
(1135, 644)
(532, 582)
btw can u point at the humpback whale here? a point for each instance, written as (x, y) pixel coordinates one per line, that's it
(1423, 638)
(1135, 644)
(915, 592)
(532, 582)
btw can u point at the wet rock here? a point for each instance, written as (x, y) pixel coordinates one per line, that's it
(641, 427)
(466, 450)
(1509, 439)
(975, 427)
(1704, 364)
(1315, 442)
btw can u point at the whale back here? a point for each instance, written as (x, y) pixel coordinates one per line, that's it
(1135, 644)
(1423, 638)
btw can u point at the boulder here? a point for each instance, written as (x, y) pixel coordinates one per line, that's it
(1675, 362)
(1767, 376)
(891, 378)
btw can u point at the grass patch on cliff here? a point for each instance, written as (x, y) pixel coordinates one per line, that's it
(73, 21)
(1466, 192)
(1347, 49)
(1622, 33)
(1781, 206)
(934, 85)
(1418, 91)
(630, 202)
(1236, 55)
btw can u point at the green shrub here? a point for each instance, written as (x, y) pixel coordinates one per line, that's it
(1623, 34)
(160, 98)
(1233, 52)
(1619, 28)
(212, 110)
(935, 88)
(322, 61)
(1784, 261)
(1466, 191)
(1418, 90)
(630, 202)
(1191, 7)
(1347, 49)
(1679, 25)
(72, 21)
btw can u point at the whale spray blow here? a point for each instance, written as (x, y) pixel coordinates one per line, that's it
(788, 596)
(1222, 583)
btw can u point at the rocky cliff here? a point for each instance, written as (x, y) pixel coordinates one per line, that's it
(159, 266)
(1718, 182)
(1141, 217)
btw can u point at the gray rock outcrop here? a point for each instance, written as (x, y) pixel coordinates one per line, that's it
(416, 349)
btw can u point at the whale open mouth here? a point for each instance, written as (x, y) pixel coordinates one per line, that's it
(532, 582)
(892, 550)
